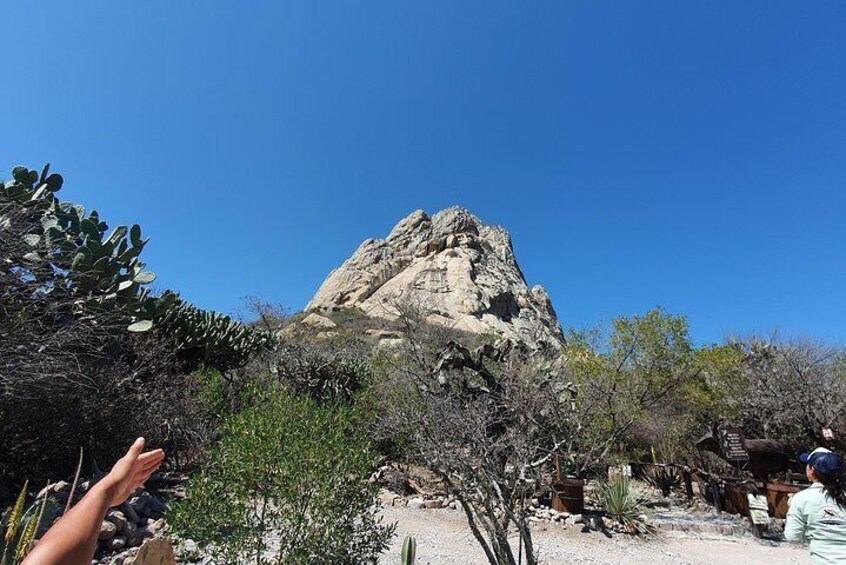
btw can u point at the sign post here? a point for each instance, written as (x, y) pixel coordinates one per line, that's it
(732, 445)
(758, 513)
(734, 451)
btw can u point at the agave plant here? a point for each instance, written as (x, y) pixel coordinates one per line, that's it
(30, 530)
(623, 502)
(663, 477)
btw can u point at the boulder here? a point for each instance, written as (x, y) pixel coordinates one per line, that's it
(155, 526)
(156, 551)
(459, 271)
(130, 513)
(317, 321)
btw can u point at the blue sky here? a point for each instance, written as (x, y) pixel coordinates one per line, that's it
(684, 154)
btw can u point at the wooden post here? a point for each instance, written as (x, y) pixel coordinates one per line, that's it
(688, 483)
(715, 490)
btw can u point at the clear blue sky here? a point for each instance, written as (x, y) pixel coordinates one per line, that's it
(684, 154)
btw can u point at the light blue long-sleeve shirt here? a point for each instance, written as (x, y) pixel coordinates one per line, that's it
(816, 518)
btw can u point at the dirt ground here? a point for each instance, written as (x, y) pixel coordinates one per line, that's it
(443, 538)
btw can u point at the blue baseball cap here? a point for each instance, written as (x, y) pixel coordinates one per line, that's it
(822, 460)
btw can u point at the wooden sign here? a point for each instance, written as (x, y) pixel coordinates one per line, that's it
(758, 510)
(732, 445)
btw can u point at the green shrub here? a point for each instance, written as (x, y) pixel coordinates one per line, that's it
(288, 483)
(622, 501)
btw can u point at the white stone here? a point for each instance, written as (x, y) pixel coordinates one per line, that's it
(156, 551)
(318, 322)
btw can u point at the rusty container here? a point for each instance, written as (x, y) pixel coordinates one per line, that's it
(735, 502)
(734, 499)
(568, 495)
(778, 495)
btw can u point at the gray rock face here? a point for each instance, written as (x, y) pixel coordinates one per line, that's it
(461, 272)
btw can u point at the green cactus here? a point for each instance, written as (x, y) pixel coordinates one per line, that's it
(214, 338)
(409, 550)
(74, 242)
(106, 274)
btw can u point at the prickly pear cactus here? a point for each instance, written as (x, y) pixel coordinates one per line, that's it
(64, 249)
(215, 339)
(103, 272)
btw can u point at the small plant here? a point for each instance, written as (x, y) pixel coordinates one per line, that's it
(663, 477)
(20, 527)
(623, 503)
(31, 529)
(409, 550)
(13, 524)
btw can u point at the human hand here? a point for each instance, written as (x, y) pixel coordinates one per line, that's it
(130, 472)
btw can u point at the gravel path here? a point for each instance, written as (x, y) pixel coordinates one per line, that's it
(443, 538)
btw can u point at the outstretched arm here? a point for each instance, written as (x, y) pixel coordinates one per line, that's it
(73, 539)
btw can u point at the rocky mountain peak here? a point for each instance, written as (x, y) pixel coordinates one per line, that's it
(459, 270)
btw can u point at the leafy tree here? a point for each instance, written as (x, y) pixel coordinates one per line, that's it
(642, 383)
(288, 483)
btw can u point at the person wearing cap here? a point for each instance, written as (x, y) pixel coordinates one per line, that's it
(818, 514)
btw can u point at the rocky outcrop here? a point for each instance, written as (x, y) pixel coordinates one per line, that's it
(459, 271)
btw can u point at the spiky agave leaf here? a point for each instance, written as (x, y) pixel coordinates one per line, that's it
(13, 523)
(623, 502)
